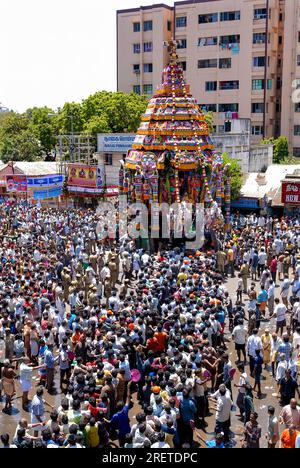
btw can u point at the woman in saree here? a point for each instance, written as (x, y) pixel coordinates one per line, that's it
(8, 384)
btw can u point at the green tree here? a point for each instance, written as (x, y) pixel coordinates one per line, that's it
(43, 126)
(97, 124)
(281, 149)
(209, 119)
(17, 140)
(70, 118)
(122, 111)
(235, 174)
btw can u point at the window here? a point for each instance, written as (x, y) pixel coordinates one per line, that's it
(228, 107)
(260, 13)
(148, 25)
(280, 17)
(211, 86)
(181, 22)
(108, 159)
(297, 130)
(148, 89)
(257, 108)
(169, 25)
(136, 68)
(148, 46)
(136, 48)
(225, 63)
(208, 18)
(299, 36)
(297, 107)
(208, 63)
(181, 44)
(148, 68)
(259, 38)
(296, 152)
(136, 27)
(278, 83)
(280, 40)
(207, 41)
(137, 89)
(257, 130)
(228, 85)
(259, 61)
(298, 60)
(209, 107)
(230, 16)
(233, 39)
(279, 63)
(183, 65)
(258, 85)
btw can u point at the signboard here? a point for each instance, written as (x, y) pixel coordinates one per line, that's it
(109, 191)
(82, 175)
(290, 193)
(48, 181)
(100, 177)
(16, 183)
(247, 203)
(115, 142)
(44, 194)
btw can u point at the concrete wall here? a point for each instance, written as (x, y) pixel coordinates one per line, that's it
(255, 159)
(251, 158)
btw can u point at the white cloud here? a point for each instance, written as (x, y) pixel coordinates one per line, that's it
(53, 51)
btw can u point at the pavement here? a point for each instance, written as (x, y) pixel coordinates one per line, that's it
(8, 423)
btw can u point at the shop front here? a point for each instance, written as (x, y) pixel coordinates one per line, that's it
(291, 197)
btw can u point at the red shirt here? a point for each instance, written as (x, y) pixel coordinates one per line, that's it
(273, 267)
(162, 339)
(152, 344)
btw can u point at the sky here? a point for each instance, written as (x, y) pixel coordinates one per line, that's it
(54, 51)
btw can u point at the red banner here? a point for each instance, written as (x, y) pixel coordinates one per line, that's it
(290, 193)
(16, 183)
(81, 175)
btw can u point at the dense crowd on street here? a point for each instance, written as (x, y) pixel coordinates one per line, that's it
(106, 344)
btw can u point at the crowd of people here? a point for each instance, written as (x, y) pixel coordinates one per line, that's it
(132, 348)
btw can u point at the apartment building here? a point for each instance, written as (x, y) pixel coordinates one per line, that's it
(141, 56)
(290, 72)
(240, 57)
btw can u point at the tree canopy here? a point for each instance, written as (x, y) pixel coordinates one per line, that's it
(281, 149)
(31, 135)
(236, 176)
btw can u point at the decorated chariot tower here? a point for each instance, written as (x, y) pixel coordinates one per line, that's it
(172, 159)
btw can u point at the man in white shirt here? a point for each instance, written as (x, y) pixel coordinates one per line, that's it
(145, 258)
(280, 311)
(223, 411)
(285, 289)
(239, 335)
(254, 343)
(296, 338)
(262, 257)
